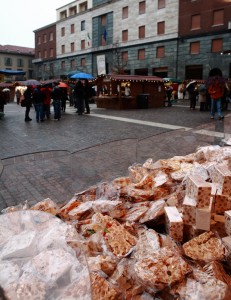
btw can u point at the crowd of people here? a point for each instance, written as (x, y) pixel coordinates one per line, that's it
(43, 97)
(212, 95)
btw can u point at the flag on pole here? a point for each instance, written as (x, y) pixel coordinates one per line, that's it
(89, 39)
(105, 34)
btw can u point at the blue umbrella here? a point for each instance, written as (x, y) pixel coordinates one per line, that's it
(82, 75)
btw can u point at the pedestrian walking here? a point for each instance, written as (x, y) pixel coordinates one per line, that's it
(47, 101)
(3, 102)
(169, 95)
(79, 93)
(38, 99)
(56, 96)
(202, 97)
(216, 88)
(191, 88)
(28, 97)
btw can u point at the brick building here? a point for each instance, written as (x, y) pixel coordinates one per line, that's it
(168, 38)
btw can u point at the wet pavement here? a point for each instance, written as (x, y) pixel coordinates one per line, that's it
(56, 159)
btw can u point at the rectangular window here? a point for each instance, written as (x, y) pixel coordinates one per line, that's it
(63, 49)
(82, 25)
(39, 40)
(44, 38)
(51, 67)
(125, 12)
(51, 36)
(72, 11)
(83, 6)
(20, 63)
(45, 53)
(141, 54)
(104, 20)
(30, 65)
(63, 14)
(39, 54)
(72, 47)
(195, 22)
(141, 32)
(63, 65)
(217, 45)
(8, 61)
(72, 64)
(142, 7)
(51, 52)
(124, 56)
(82, 44)
(161, 4)
(72, 28)
(218, 17)
(160, 52)
(63, 31)
(195, 48)
(83, 62)
(124, 35)
(160, 28)
(44, 67)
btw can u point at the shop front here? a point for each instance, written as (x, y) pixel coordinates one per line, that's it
(129, 92)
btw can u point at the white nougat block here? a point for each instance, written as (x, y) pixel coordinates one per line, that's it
(203, 218)
(228, 222)
(222, 203)
(200, 190)
(227, 242)
(189, 211)
(221, 176)
(174, 223)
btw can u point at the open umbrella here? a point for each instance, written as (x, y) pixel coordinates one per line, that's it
(191, 82)
(172, 80)
(31, 82)
(82, 75)
(63, 85)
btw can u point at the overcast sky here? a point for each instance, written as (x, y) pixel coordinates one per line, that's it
(19, 18)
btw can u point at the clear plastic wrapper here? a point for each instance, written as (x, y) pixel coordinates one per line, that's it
(37, 260)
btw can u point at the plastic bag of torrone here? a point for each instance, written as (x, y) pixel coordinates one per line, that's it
(41, 258)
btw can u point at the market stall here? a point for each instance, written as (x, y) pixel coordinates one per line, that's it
(129, 91)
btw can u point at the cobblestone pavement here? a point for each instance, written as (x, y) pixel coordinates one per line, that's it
(55, 159)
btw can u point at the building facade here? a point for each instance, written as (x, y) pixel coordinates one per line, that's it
(45, 51)
(168, 38)
(16, 58)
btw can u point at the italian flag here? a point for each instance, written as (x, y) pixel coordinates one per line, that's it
(89, 39)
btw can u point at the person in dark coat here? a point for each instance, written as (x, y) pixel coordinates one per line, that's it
(192, 95)
(79, 94)
(38, 99)
(28, 95)
(3, 101)
(56, 96)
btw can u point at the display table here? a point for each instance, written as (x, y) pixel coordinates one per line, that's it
(115, 102)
